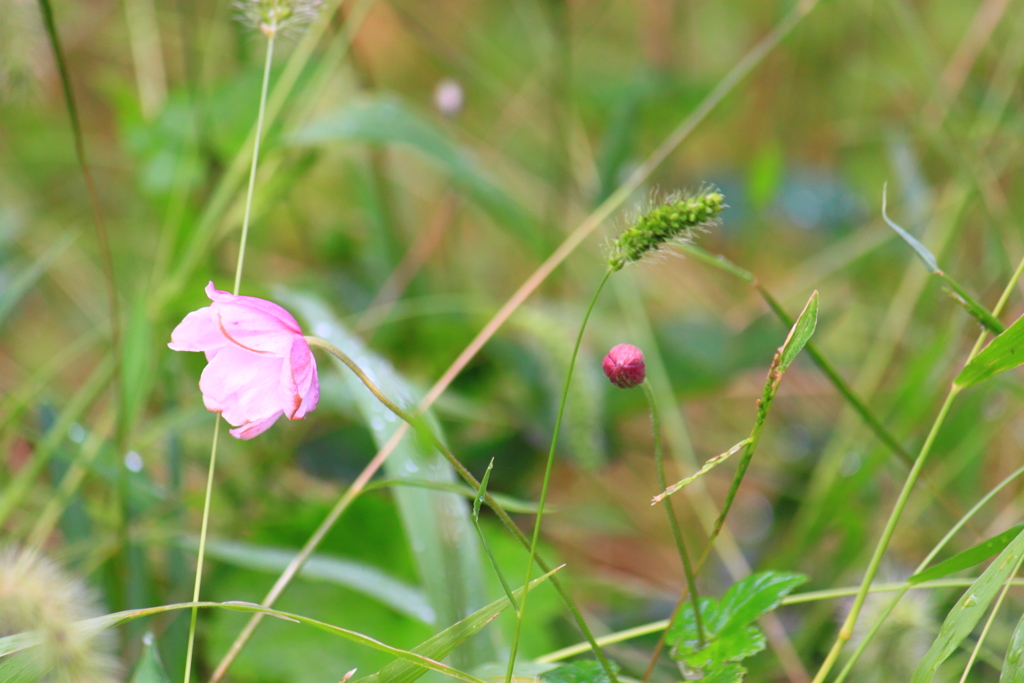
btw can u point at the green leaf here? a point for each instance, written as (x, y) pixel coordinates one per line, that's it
(577, 672)
(969, 557)
(800, 333)
(361, 577)
(441, 645)
(1013, 664)
(755, 595)
(969, 610)
(445, 547)
(683, 630)
(728, 673)
(387, 120)
(929, 259)
(150, 669)
(1005, 352)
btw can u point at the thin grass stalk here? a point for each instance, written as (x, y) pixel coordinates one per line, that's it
(846, 632)
(547, 478)
(202, 551)
(272, 33)
(677, 534)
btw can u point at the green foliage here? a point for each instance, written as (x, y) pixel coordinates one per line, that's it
(1003, 353)
(1013, 664)
(577, 672)
(969, 609)
(731, 635)
(799, 334)
(150, 669)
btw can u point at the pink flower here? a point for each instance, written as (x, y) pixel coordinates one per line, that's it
(624, 366)
(260, 366)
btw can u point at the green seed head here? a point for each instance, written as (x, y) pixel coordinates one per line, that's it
(677, 219)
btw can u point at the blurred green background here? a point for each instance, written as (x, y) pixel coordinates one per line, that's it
(423, 160)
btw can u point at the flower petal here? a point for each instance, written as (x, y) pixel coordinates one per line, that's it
(300, 386)
(253, 323)
(251, 429)
(242, 385)
(199, 331)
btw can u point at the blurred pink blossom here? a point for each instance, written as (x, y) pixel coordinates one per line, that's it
(260, 366)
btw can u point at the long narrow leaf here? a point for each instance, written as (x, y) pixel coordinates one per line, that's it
(969, 557)
(968, 610)
(1005, 352)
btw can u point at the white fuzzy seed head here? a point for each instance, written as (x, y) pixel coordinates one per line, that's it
(38, 597)
(274, 17)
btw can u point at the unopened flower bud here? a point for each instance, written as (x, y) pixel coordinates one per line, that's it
(624, 366)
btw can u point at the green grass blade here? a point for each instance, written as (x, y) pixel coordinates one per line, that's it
(477, 502)
(1013, 664)
(358, 576)
(1005, 352)
(508, 502)
(968, 610)
(968, 558)
(927, 257)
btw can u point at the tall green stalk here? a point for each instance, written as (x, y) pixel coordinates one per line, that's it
(677, 534)
(547, 475)
(271, 34)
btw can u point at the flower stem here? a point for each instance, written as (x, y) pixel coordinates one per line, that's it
(202, 551)
(547, 476)
(846, 632)
(677, 534)
(255, 160)
(238, 283)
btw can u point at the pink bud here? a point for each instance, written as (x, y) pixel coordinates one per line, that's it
(260, 366)
(624, 366)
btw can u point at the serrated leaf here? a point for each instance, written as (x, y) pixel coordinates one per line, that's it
(755, 595)
(926, 256)
(727, 673)
(150, 669)
(577, 672)
(682, 633)
(1013, 664)
(1005, 352)
(969, 557)
(800, 333)
(969, 609)
(732, 646)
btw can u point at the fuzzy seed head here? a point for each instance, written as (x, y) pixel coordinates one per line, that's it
(624, 366)
(676, 219)
(272, 17)
(38, 597)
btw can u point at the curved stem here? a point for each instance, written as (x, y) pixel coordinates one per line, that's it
(202, 551)
(677, 534)
(472, 481)
(547, 475)
(255, 159)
